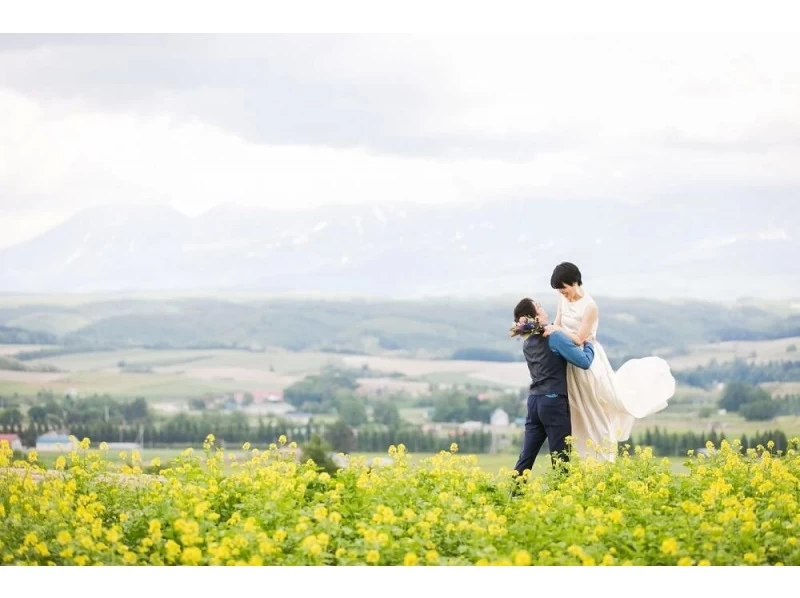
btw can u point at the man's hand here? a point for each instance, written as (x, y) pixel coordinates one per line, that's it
(550, 329)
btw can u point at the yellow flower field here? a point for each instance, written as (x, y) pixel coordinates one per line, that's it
(730, 508)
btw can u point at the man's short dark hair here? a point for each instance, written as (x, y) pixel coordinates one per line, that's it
(565, 274)
(526, 307)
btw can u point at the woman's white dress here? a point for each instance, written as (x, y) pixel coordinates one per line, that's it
(603, 403)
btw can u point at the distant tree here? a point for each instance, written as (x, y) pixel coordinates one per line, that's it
(319, 451)
(387, 413)
(341, 437)
(319, 390)
(11, 419)
(737, 394)
(248, 399)
(791, 349)
(760, 410)
(37, 416)
(197, 404)
(705, 412)
(352, 410)
(136, 411)
(484, 354)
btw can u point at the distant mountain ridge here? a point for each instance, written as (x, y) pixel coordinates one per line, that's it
(710, 249)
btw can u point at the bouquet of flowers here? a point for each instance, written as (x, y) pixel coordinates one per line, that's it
(525, 327)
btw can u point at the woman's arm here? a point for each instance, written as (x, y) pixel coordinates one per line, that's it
(584, 332)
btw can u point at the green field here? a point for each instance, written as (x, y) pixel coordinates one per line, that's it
(176, 376)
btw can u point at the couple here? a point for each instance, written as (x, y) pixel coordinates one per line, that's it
(574, 390)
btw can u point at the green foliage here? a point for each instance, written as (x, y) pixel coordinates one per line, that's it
(341, 437)
(760, 410)
(673, 444)
(15, 365)
(425, 328)
(705, 413)
(18, 336)
(740, 371)
(197, 404)
(482, 354)
(737, 394)
(352, 410)
(318, 393)
(11, 419)
(319, 451)
(454, 406)
(387, 413)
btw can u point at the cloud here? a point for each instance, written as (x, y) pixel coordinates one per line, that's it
(297, 121)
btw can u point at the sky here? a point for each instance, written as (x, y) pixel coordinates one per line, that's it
(297, 121)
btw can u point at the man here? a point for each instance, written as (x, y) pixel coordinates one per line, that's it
(548, 407)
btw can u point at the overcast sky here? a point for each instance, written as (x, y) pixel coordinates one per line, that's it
(296, 121)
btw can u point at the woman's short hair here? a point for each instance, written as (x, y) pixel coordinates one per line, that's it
(565, 274)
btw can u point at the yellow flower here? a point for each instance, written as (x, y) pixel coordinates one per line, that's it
(704, 563)
(454, 448)
(431, 556)
(608, 560)
(750, 558)
(410, 559)
(246, 446)
(282, 439)
(129, 558)
(373, 556)
(669, 546)
(320, 513)
(63, 538)
(685, 562)
(191, 555)
(61, 463)
(575, 550)
(522, 558)
(173, 549)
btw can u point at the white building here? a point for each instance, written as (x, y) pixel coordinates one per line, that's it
(499, 418)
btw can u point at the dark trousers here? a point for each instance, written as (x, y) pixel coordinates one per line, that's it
(548, 419)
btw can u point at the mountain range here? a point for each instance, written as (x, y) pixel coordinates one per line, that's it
(713, 249)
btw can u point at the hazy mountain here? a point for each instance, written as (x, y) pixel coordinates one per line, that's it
(712, 249)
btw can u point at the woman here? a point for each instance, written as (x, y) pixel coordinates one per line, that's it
(604, 404)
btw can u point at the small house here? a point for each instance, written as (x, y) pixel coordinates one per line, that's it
(13, 441)
(54, 442)
(499, 418)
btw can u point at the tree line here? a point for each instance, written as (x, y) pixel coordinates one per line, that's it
(674, 444)
(740, 370)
